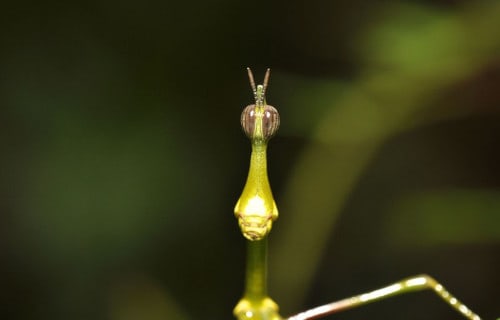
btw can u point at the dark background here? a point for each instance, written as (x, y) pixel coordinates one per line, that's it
(122, 156)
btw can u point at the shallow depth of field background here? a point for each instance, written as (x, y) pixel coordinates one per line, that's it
(122, 155)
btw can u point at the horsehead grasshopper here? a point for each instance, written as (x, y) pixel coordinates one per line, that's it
(256, 211)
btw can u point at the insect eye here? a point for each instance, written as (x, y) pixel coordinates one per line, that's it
(248, 120)
(270, 121)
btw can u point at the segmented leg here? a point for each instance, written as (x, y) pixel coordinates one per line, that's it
(417, 283)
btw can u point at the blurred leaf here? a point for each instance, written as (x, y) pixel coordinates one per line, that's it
(381, 103)
(137, 297)
(449, 216)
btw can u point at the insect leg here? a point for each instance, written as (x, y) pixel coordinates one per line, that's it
(417, 283)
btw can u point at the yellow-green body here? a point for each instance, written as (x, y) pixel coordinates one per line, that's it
(256, 209)
(255, 304)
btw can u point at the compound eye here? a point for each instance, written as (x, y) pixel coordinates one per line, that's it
(270, 122)
(248, 118)
(267, 114)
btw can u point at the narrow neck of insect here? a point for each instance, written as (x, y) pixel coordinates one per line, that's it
(256, 272)
(258, 162)
(256, 269)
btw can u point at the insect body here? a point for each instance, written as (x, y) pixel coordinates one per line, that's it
(256, 209)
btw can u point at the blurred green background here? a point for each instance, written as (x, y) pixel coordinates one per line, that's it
(122, 155)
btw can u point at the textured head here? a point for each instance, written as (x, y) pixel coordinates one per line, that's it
(260, 121)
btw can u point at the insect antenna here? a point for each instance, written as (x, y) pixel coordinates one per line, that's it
(266, 81)
(252, 83)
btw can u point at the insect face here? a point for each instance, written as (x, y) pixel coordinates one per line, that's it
(260, 122)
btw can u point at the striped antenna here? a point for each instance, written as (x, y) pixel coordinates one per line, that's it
(266, 80)
(252, 82)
